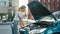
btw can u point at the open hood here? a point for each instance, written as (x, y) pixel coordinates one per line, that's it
(38, 10)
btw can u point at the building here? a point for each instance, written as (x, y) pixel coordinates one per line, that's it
(8, 8)
(52, 5)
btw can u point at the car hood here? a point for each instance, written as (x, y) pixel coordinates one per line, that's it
(38, 10)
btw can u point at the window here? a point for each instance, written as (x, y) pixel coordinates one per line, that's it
(39, 0)
(48, 0)
(48, 6)
(57, 0)
(10, 4)
(44, 1)
(2, 3)
(10, 0)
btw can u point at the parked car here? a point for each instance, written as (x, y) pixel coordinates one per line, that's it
(46, 23)
(57, 14)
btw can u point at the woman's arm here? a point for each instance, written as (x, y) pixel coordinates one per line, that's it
(21, 23)
(21, 20)
(30, 15)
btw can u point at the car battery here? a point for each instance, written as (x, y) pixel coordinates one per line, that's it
(8, 28)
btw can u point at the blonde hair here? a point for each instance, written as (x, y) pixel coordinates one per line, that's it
(22, 7)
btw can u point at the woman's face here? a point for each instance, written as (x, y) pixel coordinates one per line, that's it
(22, 9)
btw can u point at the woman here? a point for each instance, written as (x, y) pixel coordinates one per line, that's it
(26, 15)
(21, 15)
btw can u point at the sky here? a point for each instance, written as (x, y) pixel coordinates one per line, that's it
(23, 2)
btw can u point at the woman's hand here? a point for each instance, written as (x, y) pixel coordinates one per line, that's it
(27, 28)
(21, 23)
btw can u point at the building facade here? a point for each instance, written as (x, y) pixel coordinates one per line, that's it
(52, 5)
(8, 8)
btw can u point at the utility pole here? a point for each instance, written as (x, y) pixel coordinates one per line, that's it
(10, 10)
(59, 5)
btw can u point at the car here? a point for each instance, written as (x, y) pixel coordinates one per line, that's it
(46, 22)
